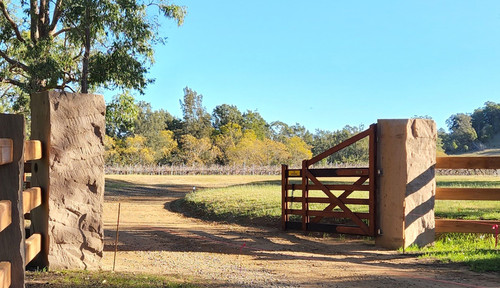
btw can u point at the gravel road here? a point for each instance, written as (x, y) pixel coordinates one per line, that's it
(155, 239)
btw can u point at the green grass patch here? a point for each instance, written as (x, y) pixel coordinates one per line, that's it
(97, 279)
(468, 181)
(477, 251)
(242, 203)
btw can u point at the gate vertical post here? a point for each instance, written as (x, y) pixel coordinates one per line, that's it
(284, 195)
(11, 188)
(305, 196)
(71, 127)
(372, 152)
(407, 186)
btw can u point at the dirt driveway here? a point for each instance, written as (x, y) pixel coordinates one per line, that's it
(155, 239)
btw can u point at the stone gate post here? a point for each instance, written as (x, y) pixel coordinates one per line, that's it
(407, 186)
(71, 127)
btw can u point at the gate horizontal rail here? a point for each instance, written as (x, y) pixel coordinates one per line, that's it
(481, 194)
(331, 172)
(461, 162)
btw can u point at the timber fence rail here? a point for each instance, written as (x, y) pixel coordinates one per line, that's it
(15, 250)
(483, 194)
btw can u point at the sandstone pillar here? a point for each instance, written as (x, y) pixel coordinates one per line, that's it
(71, 174)
(407, 187)
(11, 187)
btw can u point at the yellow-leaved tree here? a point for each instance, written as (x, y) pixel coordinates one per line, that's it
(249, 151)
(198, 151)
(298, 150)
(136, 152)
(165, 145)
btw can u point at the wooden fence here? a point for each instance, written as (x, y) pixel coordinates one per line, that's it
(486, 194)
(15, 250)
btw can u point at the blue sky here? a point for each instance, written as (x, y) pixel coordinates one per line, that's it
(327, 64)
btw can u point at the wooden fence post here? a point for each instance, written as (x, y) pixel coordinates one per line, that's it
(11, 187)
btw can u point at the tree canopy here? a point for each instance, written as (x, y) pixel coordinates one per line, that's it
(229, 137)
(472, 131)
(137, 134)
(80, 44)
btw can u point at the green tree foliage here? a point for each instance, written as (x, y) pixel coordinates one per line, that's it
(163, 146)
(441, 135)
(153, 126)
(462, 135)
(227, 138)
(5, 101)
(282, 131)
(138, 134)
(324, 140)
(226, 114)
(474, 131)
(149, 121)
(252, 120)
(80, 44)
(197, 122)
(121, 115)
(486, 121)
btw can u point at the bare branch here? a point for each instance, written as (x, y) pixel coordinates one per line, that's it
(79, 54)
(6, 90)
(71, 88)
(64, 30)
(11, 81)
(13, 62)
(60, 87)
(11, 21)
(55, 17)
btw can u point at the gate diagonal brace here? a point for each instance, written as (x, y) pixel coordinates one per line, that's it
(343, 196)
(339, 203)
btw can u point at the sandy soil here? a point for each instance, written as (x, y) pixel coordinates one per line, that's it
(155, 239)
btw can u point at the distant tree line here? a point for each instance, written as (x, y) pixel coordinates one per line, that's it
(138, 135)
(472, 131)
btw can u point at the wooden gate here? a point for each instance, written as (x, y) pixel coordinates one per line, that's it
(333, 213)
(17, 248)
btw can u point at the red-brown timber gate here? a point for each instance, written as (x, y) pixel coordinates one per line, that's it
(331, 213)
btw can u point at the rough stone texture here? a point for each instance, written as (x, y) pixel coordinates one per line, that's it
(71, 128)
(11, 185)
(406, 158)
